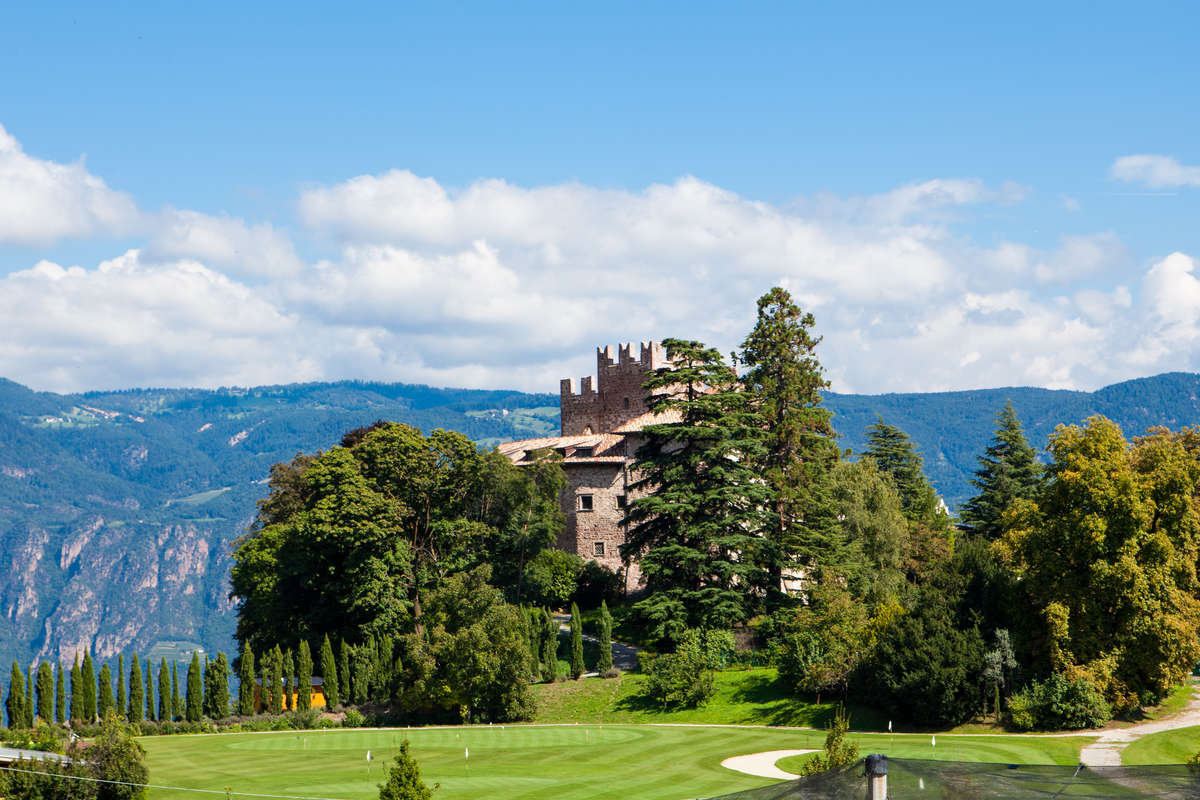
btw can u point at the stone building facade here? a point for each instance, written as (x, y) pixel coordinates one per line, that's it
(599, 435)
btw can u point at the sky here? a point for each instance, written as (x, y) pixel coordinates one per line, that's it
(480, 195)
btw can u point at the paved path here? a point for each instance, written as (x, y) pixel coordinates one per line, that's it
(624, 655)
(1106, 750)
(763, 764)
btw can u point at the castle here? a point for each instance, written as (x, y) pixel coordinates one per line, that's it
(600, 432)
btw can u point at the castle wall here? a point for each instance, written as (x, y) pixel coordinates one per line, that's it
(616, 396)
(595, 533)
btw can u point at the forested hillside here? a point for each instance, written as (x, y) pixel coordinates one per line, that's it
(117, 509)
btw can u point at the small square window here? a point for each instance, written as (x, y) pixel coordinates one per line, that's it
(622, 501)
(585, 502)
(598, 549)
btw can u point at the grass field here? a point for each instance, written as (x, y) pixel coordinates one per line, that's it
(1169, 747)
(948, 747)
(569, 762)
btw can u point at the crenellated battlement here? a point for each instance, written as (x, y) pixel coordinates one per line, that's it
(615, 396)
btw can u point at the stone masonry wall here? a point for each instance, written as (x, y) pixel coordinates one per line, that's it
(604, 483)
(616, 396)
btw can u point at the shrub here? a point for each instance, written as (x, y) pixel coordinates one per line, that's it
(304, 720)
(1059, 703)
(551, 577)
(838, 752)
(683, 679)
(354, 719)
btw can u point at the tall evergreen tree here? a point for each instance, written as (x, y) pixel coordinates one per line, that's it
(264, 682)
(605, 664)
(45, 692)
(404, 779)
(1008, 471)
(137, 694)
(121, 699)
(329, 674)
(60, 695)
(77, 693)
(104, 692)
(896, 456)
(360, 660)
(165, 711)
(785, 381)
(304, 667)
(195, 692)
(246, 678)
(577, 668)
(549, 647)
(277, 679)
(216, 687)
(345, 679)
(29, 696)
(176, 700)
(87, 674)
(149, 683)
(701, 500)
(15, 704)
(289, 680)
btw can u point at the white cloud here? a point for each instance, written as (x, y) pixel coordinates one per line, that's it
(43, 201)
(261, 250)
(1155, 171)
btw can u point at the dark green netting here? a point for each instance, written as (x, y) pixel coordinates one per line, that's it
(956, 780)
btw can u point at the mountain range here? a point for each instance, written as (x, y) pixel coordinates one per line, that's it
(118, 510)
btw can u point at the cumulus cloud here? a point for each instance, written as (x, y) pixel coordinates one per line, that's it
(43, 201)
(261, 250)
(1155, 171)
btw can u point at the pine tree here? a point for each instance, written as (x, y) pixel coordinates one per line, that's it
(329, 674)
(149, 683)
(195, 698)
(304, 667)
(289, 680)
(165, 711)
(1008, 471)
(404, 779)
(45, 692)
(77, 693)
(896, 456)
(577, 668)
(176, 700)
(277, 680)
(121, 704)
(246, 681)
(104, 693)
(701, 499)
(15, 704)
(137, 695)
(60, 695)
(549, 647)
(605, 664)
(785, 382)
(87, 674)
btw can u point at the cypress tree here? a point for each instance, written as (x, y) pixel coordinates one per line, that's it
(577, 668)
(195, 698)
(605, 664)
(345, 680)
(77, 693)
(549, 647)
(176, 700)
(532, 642)
(149, 683)
(264, 682)
(304, 667)
(60, 695)
(329, 674)
(246, 681)
(104, 692)
(276, 680)
(165, 712)
(216, 687)
(137, 694)
(362, 674)
(29, 697)
(289, 680)
(15, 704)
(121, 704)
(1008, 471)
(45, 692)
(87, 674)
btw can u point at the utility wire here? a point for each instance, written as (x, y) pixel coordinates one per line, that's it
(172, 788)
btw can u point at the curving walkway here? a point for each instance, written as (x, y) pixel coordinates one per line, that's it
(762, 764)
(1106, 750)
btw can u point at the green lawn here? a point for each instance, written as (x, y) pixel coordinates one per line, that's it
(569, 762)
(1169, 747)
(948, 747)
(743, 697)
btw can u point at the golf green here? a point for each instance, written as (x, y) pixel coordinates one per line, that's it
(563, 762)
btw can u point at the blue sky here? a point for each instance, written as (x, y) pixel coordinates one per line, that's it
(964, 197)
